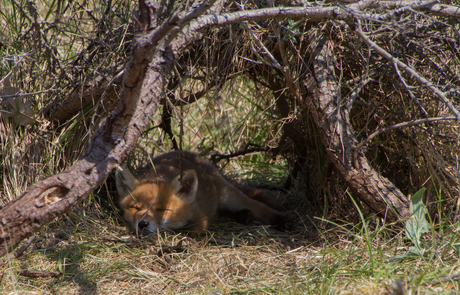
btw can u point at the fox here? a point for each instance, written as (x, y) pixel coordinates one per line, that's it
(161, 199)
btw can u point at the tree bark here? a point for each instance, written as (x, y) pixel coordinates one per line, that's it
(325, 104)
(84, 95)
(143, 82)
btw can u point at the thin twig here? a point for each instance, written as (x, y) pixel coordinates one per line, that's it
(410, 92)
(274, 62)
(215, 158)
(404, 124)
(46, 43)
(355, 92)
(286, 70)
(453, 277)
(410, 70)
(18, 251)
(27, 94)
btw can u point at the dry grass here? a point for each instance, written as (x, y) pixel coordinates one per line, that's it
(96, 256)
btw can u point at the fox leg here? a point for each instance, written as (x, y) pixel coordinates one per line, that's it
(234, 200)
(259, 195)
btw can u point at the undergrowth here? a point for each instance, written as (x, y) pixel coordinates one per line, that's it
(337, 245)
(95, 255)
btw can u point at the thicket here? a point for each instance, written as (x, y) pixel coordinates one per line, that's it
(246, 87)
(348, 110)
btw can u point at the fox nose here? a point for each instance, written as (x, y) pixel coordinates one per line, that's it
(142, 224)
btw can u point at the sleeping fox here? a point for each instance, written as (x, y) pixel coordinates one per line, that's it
(160, 199)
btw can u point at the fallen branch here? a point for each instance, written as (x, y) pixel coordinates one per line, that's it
(38, 273)
(18, 251)
(450, 278)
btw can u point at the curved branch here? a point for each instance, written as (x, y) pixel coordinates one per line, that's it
(404, 124)
(339, 138)
(410, 70)
(145, 79)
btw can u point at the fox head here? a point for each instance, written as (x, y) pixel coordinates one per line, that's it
(153, 204)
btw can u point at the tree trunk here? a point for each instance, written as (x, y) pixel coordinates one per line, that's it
(325, 104)
(143, 83)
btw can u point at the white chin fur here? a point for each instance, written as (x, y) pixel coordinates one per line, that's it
(165, 225)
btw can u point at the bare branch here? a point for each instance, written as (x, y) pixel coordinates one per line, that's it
(18, 251)
(37, 273)
(215, 158)
(339, 137)
(410, 70)
(410, 92)
(400, 125)
(450, 278)
(356, 91)
(429, 6)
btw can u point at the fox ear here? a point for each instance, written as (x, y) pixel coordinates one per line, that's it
(187, 189)
(126, 182)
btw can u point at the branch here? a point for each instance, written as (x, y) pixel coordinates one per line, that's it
(410, 70)
(143, 83)
(417, 102)
(37, 273)
(215, 158)
(19, 251)
(311, 13)
(450, 278)
(404, 124)
(339, 138)
(429, 6)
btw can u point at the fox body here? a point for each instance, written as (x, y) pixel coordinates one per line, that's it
(160, 199)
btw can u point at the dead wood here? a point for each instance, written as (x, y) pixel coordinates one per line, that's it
(18, 252)
(37, 273)
(339, 138)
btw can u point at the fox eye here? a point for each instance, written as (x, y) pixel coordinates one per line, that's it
(136, 207)
(162, 209)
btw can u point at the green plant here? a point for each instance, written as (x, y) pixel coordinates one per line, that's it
(417, 224)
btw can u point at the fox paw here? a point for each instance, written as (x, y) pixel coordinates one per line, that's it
(283, 222)
(244, 216)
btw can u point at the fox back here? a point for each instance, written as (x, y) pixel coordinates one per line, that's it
(161, 199)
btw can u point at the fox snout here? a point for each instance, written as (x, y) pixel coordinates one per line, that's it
(145, 228)
(142, 224)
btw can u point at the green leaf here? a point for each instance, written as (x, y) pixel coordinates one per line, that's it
(417, 224)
